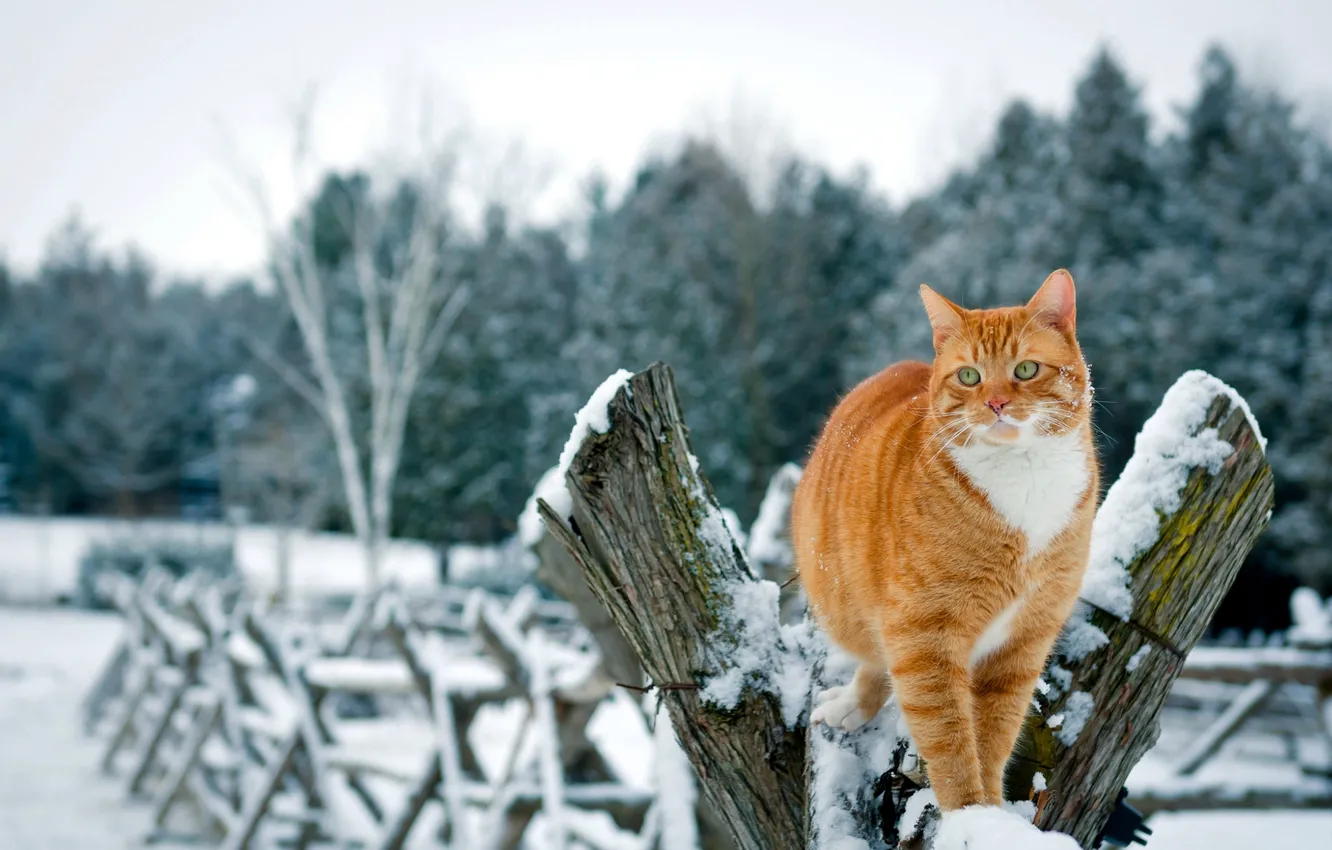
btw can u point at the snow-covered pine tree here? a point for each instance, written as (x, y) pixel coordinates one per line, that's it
(750, 303)
(493, 411)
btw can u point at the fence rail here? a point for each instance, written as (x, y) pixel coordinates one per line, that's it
(243, 727)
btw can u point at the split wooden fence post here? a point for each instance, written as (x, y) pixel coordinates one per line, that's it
(643, 530)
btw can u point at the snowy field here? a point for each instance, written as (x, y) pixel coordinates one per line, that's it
(40, 559)
(52, 796)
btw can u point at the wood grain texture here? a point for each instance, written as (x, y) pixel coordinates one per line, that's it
(562, 574)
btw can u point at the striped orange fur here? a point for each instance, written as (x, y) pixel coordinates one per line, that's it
(942, 528)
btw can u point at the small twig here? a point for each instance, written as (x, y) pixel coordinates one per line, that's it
(666, 686)
(661, 692)
(1159, 640)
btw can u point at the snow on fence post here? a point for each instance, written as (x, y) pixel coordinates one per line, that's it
(769, 545)
(1117, 667)
(639, 520)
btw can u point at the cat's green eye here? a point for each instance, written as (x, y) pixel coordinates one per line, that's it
(969, 376)
(1026, 370)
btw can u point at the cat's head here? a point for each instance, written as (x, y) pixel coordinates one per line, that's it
(1010, 375)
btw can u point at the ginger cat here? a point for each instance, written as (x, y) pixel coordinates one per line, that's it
(942, 528)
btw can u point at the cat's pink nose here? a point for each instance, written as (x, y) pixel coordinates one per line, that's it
(997, 404)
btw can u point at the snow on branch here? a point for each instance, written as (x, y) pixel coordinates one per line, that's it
(769, 546)
(1172, 444)
(593, 418)
(1312, 618)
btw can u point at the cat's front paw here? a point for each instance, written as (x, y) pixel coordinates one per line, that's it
(838, 707)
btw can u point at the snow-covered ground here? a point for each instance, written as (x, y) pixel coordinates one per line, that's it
(1241, 831)
(52, 796)
(39, 561)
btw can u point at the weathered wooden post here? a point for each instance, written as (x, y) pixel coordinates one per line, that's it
(650, 539)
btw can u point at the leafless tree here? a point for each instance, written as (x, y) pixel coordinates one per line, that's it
(408, 306)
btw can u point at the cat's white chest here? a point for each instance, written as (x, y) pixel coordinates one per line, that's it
(1035, 486)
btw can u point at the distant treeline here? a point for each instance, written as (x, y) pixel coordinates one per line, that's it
(125, 392)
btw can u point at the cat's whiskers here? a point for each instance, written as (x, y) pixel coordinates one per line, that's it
(964, 427)
(1104, 405)
(1099, 431)
(1045, 416)
(1058, 413)
(949, 422)
(945, 430)
(1059, 409)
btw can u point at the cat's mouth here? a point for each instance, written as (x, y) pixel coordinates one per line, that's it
(1003, 429)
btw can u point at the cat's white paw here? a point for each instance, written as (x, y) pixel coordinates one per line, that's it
(838, 707)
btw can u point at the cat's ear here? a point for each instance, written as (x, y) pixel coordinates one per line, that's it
(945, 316)
(1055, 303)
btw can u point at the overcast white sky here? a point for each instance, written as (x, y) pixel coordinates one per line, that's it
(113, 107)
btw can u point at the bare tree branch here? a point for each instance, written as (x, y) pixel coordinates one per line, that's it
(288, 373)
(423, 304)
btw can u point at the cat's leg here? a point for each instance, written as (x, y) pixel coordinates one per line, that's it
(851, 706)
(933, 687)
(1002, 687)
